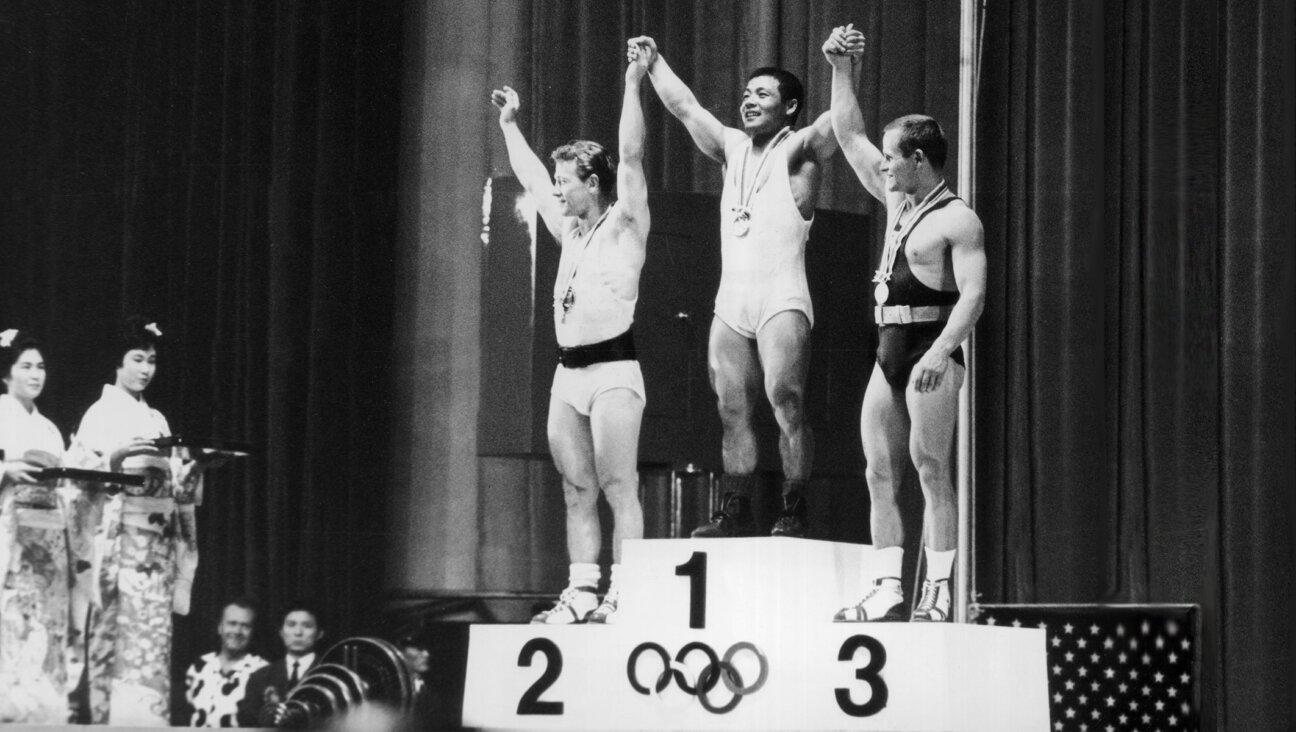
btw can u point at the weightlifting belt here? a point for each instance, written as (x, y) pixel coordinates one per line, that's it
(620, 348)
(904, 314)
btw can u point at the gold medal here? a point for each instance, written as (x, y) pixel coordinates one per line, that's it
(881, 293)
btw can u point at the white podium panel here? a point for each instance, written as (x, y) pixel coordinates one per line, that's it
(738, 583)
(896, 676)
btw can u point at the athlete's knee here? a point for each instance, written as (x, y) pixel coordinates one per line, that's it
(788, 401)
(734, 404)
(621, 489)
(882, 480)
(933, 472)
(579, 494)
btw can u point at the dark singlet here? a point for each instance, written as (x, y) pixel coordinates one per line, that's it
(900, 347)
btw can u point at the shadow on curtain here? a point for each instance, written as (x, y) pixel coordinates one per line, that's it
(1135, 359)
(228, 168)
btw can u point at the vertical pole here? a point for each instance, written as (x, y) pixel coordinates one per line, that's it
(966, 481)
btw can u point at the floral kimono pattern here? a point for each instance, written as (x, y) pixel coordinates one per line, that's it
(34, 579)
(143, 559)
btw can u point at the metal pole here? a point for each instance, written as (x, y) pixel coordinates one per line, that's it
(966, 481)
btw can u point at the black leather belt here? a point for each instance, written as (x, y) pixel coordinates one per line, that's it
(620, 348)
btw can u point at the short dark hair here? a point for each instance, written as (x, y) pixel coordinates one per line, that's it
(591, 158)
(790, 87)
(18, 345)
(241, 601)
(301, 606)
(920, 132)
(137, 332)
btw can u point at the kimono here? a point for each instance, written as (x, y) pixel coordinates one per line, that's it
(141, 562)
(34, 577)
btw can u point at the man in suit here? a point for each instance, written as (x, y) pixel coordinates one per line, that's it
(300, 631)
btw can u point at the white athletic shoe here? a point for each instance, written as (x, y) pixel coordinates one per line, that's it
(607, 610)
(884, 604)
(574, 606)
(934, 607)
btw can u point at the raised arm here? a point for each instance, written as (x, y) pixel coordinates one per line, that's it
(632, 188)
(707, 132)
(844, 49)
(815, 143)
(527, 166)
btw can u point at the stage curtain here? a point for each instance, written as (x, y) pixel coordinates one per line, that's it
(566, 59)
(228, 169)
(1135, 400)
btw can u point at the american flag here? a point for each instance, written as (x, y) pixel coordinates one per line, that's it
(1114, 668)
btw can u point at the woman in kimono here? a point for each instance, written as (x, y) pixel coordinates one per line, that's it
(145, 547)
(34, 579)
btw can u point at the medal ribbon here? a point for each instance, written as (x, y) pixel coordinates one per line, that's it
(571, 275)
(899, 234)
(745, 196)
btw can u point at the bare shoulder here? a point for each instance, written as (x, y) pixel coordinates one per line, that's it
(734, 142)
(961, 223)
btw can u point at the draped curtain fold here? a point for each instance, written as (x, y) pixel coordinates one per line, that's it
(1136, 402)
(566, 59)
(228, 169)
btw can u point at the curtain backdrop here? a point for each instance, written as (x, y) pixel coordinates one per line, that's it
(566, 59)
(229, 169)
(1135, 363)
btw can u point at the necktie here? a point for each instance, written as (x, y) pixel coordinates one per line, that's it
(292, 680)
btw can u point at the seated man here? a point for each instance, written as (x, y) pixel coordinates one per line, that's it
(300, 631)
(216, 682)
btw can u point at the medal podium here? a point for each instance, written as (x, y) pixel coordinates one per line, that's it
(738, 634)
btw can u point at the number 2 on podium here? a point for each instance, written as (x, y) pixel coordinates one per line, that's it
(695, 569)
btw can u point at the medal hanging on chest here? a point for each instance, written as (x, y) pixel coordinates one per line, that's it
(742, 212)
(568, 300)
(899, 235)
(742, 221)
(881, 293)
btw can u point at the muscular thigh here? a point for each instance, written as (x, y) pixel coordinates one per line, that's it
(884, 417)
(571, 442)
(732, 361)
(934, 416)
(615, 421)
(784, 346)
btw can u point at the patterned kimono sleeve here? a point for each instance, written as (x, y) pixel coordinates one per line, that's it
(188, 487)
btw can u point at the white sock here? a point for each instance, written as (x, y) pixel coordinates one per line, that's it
(939, 564)
(887, 565)
(583, 574)
(616, 569)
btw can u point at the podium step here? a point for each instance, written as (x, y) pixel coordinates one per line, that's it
(898, 676)
(741, 583)
(748, 623)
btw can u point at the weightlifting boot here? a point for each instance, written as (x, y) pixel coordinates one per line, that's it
(734, 519)
(792, 521)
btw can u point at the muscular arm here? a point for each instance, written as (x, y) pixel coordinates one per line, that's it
(847, 118)
(527, 166)
(967, 253)
(707, 132)
(815, 143)
(632, 189)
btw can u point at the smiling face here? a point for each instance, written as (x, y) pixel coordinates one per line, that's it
(573, 194)
(901, 171)
(235, 630)
(26, 377)
(136, 370)
(763, 109)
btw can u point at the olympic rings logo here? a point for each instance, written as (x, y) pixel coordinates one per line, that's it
(718, 669)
